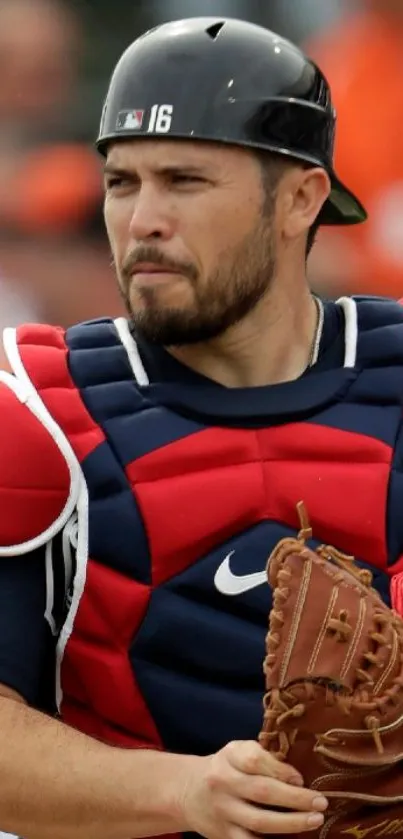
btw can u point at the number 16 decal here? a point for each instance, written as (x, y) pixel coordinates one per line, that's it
(160, 119)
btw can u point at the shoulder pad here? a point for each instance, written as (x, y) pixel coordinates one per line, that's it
(35, 479)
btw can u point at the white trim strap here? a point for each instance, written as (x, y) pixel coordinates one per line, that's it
(77, 500)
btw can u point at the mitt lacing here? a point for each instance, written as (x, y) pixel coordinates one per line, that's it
(280, 705)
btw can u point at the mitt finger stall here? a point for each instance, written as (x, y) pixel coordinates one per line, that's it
(334, 687)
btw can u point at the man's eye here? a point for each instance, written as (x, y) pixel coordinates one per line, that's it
(114, 182)
(187, 179)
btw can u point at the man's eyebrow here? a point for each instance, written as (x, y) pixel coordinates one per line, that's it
(113, 169)
(196, 168)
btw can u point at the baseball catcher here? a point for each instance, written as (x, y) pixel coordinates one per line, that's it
(334, 679)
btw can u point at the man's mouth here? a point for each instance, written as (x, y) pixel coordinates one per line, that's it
(152, 268)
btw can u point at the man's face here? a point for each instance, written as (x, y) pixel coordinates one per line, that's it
(191, 234)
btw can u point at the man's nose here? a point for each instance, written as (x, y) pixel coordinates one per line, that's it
(150, 219)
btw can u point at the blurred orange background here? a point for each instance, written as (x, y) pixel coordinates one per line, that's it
(55, 61)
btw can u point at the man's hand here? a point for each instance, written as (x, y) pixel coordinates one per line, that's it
(236, 793)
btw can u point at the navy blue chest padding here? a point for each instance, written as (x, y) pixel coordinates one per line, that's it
(100, 368)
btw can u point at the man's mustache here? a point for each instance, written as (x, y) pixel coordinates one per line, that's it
(141, 255)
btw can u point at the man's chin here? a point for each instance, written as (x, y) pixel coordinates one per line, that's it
(155, 327)
(172, 332)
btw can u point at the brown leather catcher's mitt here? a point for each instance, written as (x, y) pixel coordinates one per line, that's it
(334, 680)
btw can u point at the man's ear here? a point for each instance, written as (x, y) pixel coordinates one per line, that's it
(304, 191)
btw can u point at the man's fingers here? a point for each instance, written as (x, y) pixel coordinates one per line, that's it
(235, 832)
(249, 757)
(258, 821)
(271, 792)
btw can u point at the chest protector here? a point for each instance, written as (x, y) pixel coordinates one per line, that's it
(175, 515)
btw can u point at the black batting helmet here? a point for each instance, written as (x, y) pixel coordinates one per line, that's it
(227, 81)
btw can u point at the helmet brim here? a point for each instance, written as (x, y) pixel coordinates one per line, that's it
(342, 206)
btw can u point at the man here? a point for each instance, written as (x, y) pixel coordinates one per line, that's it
(149, 466)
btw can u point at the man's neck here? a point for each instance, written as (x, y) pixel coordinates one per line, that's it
(272, 345)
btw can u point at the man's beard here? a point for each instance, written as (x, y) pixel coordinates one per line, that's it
(244, 276)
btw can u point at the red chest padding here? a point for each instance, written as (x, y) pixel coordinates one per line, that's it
(34, 477)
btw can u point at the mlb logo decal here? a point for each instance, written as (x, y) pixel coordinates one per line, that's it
(158, 121)
(129, 119)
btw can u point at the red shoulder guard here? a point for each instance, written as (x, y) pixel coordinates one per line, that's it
(35, 480)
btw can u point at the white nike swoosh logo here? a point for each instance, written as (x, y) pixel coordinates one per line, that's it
(230, 584)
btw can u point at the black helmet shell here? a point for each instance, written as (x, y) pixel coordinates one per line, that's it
(227, 81)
